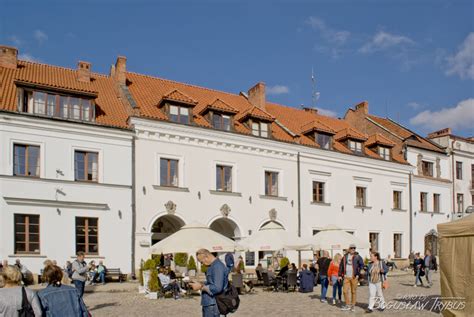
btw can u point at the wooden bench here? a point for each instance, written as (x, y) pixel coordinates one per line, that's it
(115, 273)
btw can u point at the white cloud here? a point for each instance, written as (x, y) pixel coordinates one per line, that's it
(40, 36)
(28, 57)
(383, 40)
(277, 90)
(327, 112)
(338, 37)
(15, 40)
(459, 116)
(414, 105)
(462, 63)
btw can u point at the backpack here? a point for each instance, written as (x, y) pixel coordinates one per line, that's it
(228, 301)
(69, 271)
(26, 309)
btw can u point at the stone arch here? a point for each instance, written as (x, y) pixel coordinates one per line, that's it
(431, 242)
(266, 221)
(227, 227)
(164, 225)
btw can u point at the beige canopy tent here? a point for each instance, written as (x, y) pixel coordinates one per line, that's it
(456, 257)
(333, 238)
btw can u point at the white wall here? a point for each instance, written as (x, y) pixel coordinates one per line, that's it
(58, 199)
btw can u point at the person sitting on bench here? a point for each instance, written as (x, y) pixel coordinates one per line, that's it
(169, 284)
(390, 263)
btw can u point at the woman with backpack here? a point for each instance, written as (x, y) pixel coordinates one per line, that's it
(419, 268)
(377, 277)
(15, 299)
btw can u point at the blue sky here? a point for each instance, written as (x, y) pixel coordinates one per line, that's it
(411, 60)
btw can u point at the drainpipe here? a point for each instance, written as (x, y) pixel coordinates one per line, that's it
(134, 213)
(410, 176)
(298, 169)
(454, 185)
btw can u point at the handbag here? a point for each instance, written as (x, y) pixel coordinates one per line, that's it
(26, 309)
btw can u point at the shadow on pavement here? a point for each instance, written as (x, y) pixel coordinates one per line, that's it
(102, 306)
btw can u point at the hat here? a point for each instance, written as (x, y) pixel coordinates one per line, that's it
(352, 245)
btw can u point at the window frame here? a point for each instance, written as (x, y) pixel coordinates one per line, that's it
(364, 196)
(320, 187)
(26, 167)
(27, 234)
(427, 168)
(86, 165)
(458, 170)
(377, 239)
(384, 152)
(259, 130)
(269, 177)
(221, 116)
(325, 136)
(86, 235)
(354, 150)
(460, 202)
(424, 201)
(400, 240)
(169, 182)
(179, 115)
(397, 203)
(436, 202)
(220, 168)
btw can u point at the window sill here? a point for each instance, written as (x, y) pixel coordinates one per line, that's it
(399, 210)
(363, 207)
(274, 197)
(430, 212)
(89, 256)
(171, 188)
(320, 203)
(27, 255)
(225, 193)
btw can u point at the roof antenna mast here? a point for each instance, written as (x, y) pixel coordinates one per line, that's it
(314, 94)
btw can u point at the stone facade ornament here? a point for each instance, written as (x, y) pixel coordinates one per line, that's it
(272, 214)
(438, 167)
(170, 207)
(225, 210)
(419, 164)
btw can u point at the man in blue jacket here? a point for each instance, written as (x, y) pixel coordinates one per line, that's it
(349, 271)
(216, 282)
(229, 261)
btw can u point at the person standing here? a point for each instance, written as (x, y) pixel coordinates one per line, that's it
(323, 266)
(333, 273)
(12, 293)
(349, 271)
(430, 265)
(229, 261)
(216, 282)
(58, 299)
(376, 271)
(79, 273)
(418, 267)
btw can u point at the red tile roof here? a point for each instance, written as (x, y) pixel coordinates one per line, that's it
(349, 133)
(257, 113)
(318, 126)
(180, 97)
(377, 138)
(219, 105)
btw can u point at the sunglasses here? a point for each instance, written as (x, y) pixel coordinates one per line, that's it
(352, 248)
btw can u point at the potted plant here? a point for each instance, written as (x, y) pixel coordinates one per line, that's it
(148, 267)
(141, 287)
(191, 266)
(153, 286)
(181, 262)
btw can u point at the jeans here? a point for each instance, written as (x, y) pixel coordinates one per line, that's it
(324, 286)
(79, 286)
(376, 295)
(350, 283)
(102, 277)
(418, 278)
(428, 276)
(210, 311)
(172, 287)
(336, 287)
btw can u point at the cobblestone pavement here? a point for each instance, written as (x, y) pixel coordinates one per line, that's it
(124, 300)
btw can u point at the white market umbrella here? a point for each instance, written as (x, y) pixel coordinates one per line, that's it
(193, 237)
(335, 238)
(273, 237)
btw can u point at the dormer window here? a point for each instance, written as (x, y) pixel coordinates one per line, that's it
(384, 153)
(260, 129)
(179, 114)
(355, 146)
(55, 105)
(324, 140)
(221, 121)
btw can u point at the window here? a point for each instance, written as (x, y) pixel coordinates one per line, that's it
(436, 205)
(224, 178)
(460, 202)
(220, 121)
(361, 199)
(397, 199)
(260, 129)
(427, 168)
(318, 192)
(397, 245)
(87, 235)
(271, 183)
(374, 241)
(355, 147)
(86, 166)
(384, 153)
(472, 178)
(27, 233)
(324, 140)
(179, 114)
(54, 105)
(423, 201)
(26, 160)
(168, 172)
(458, 170)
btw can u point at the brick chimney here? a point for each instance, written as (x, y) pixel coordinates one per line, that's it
(257, 95)
(363, 106)
(119, 70)
(442, 132)
(310, 110)
(8, 56)
(84, 71)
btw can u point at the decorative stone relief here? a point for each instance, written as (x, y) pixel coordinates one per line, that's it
(272, 214)
(170, 207)
(225, 210)
(419, 164)
(438, 167)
